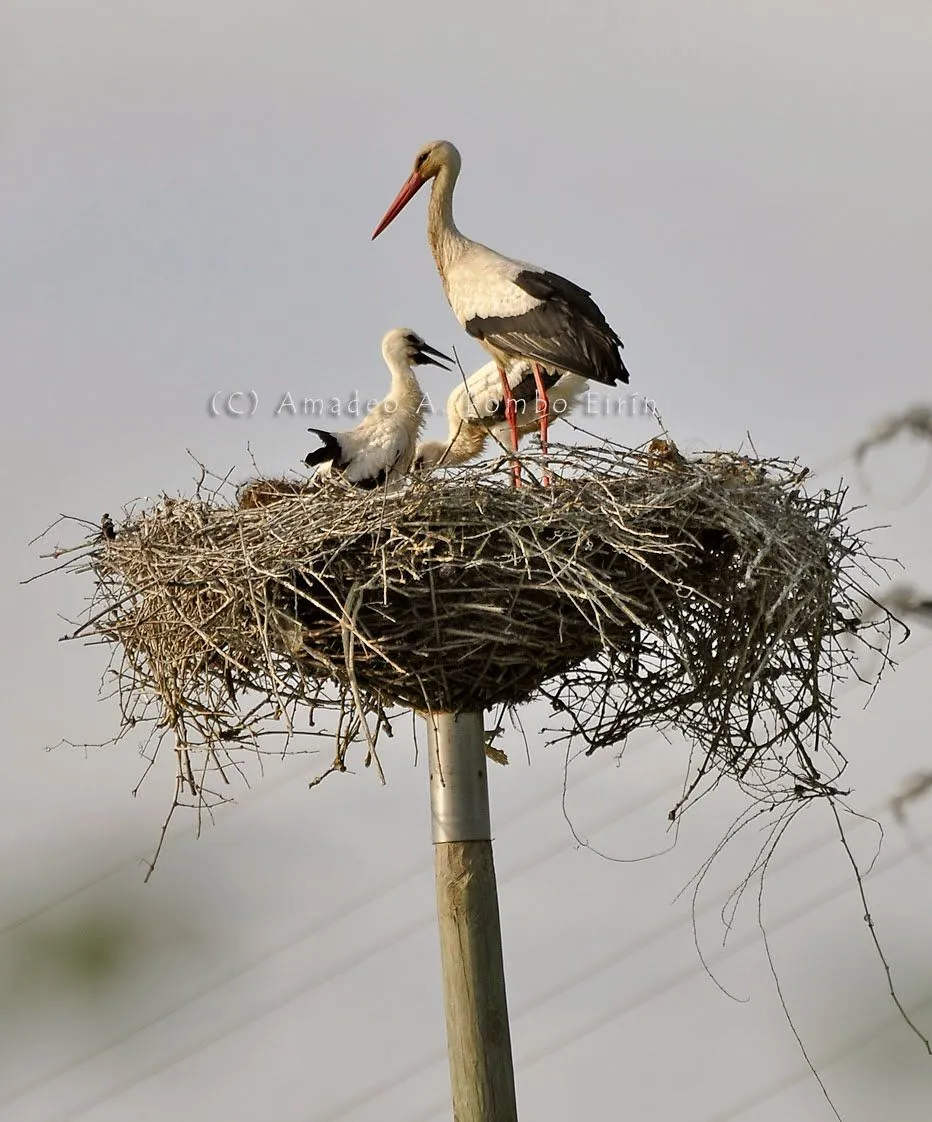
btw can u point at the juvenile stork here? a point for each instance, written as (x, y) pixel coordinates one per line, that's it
(475, 411)
(380, 449)
(515, 310)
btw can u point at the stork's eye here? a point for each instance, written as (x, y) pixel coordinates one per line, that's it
(419, 162)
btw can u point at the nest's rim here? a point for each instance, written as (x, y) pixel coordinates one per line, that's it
(710, 596)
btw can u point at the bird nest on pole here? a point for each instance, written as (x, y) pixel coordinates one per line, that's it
(709, 596)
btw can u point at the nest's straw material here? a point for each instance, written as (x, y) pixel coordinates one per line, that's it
(638, 589)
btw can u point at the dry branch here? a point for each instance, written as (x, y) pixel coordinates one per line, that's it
(706, 596)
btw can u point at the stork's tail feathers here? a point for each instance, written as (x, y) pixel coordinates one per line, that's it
(330, 452)
(623, 375)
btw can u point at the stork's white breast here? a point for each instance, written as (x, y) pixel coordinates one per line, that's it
(480, 284)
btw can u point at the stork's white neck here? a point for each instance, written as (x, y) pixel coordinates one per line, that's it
(405, 395)
(446, 242)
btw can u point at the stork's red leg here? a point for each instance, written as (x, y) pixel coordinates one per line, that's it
(543, 414)
(511, 416)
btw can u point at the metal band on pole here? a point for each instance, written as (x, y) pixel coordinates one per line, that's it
(459, 790)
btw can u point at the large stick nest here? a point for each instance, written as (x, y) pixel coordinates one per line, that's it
(708, 596)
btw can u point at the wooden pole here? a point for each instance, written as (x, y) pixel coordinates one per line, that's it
(478, 1036)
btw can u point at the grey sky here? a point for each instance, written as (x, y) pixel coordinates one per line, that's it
(187, 194)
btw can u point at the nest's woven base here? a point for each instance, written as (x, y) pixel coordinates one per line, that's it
(639, 589)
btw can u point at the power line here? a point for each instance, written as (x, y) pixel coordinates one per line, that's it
(71, 894)
(271, 1005)
(425, 1063)
(321, 978)
(628, 1005)
(831, 1058)
(342, 912)
(256, 793)
(592, 969)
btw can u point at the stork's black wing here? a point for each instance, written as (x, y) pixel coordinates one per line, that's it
(566, 330)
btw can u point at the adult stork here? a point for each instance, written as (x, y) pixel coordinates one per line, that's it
(514, 309)
(475, 411)
(380, 449)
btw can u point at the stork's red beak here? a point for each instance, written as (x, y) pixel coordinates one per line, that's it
(413, 184)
